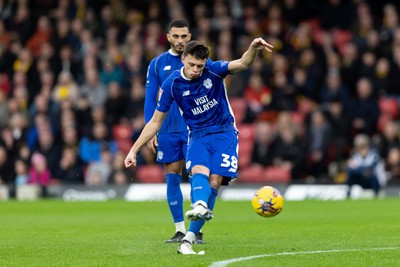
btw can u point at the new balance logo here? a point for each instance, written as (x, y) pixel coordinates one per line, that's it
(186, 93)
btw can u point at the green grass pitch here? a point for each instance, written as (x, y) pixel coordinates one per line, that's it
(119, 233)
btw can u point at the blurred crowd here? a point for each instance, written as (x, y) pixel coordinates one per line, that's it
(72, 76)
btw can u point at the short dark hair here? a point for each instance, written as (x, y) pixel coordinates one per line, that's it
(178, 23)
(198, 49)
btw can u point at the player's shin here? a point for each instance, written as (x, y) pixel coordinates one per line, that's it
(201, 189)
(174, 196)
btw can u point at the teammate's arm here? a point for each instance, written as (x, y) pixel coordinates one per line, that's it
(249, 56)
(149, 131)
(150, 101)
(152, 85)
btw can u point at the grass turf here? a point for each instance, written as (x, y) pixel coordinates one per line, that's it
(119, 233)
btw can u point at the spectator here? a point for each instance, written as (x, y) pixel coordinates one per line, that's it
(119, 174)
(383, 79)
(318, 136)
(288, 151)
(364, 109)
(339, 123)
(393, 166)
(365, 167)
(334, 89)
(39, 173)
(98, 172)
(116, 103)
(22, 23)
(7, 173)
(49, 147)
(4, 114)
(263, 147)
(283, 94)
(111, 72)
(94, 89)
(71, 167)
(90, 147)
(388, 139)
(65, 89)
(21, 171)
(258, 97)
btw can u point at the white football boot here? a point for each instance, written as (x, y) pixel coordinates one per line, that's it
(199, 212)
(185, 248)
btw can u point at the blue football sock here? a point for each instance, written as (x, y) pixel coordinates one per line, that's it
(174, 196)
(190, 180)
(195, 226)
(201, 189)
(213, 198)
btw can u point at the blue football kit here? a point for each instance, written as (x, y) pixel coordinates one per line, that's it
(213, 140)
(172, 136)
(205, 108)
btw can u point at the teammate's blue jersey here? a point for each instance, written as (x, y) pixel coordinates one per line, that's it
(158, 71)
(203, 101)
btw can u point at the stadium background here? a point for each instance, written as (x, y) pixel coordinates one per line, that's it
(72, 90)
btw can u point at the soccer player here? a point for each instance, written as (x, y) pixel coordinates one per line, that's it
(170, 144)
(200, 92)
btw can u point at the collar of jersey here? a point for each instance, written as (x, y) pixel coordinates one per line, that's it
(172, 53)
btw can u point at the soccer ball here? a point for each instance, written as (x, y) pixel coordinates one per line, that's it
(267, 201)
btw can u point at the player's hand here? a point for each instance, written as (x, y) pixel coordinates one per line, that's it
(153, 144)
(260, 43)
(130, 160)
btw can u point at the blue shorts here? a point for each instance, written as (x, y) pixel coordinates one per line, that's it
(218, 152)
(172, 147)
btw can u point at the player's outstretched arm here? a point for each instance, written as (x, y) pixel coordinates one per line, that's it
(249, 56)
(149, 131)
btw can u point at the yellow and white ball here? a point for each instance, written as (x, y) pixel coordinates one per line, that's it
(267, 201)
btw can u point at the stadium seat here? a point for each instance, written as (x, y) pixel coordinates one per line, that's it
(238, 106)
(276, 175)
(252, 174)
(246, 131)
(246, 142)
(150, 174)
(122, 134)
(389, 106)
(245, 152)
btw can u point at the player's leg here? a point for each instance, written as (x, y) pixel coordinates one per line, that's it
(195, 226)
(198, 157)
(222, 164)
(170, 154)
(175, 199)
(199, 236)
(201, 192)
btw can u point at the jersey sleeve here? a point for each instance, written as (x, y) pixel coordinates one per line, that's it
(219, 67)
(152, 86)
(165, 97)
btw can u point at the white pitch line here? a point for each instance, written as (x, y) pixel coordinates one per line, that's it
(227, 262)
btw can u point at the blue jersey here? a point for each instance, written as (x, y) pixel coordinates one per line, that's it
(203, 101)
(158, 71)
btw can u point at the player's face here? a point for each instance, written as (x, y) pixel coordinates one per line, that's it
(193, 67)
(178, 38)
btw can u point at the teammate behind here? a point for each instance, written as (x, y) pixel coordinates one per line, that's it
(170, 144)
